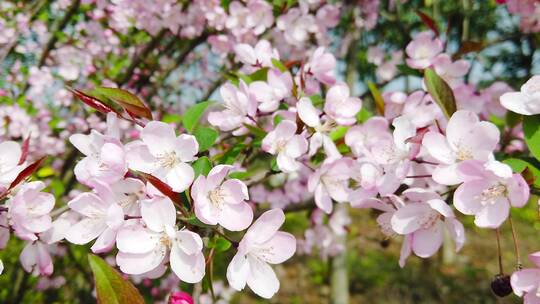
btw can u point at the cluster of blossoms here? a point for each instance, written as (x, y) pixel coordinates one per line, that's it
(528, 12)
(147, 203)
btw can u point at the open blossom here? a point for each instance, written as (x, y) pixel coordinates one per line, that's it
(451, 72)
(340, 106)
(259, 56)
(331, 182)
(105, 157)
(101, 218)
(10, 155)
(269, 93)
(321, 65)
(422, 50)
(296, 25)
(466, 138)
(262, 244)
(311, 117)
(145, 248)
(164, 155)
(35, 258)
(525, 102)
(423, 220)
(362, 138)
(260, 16)
(29, 210)
(488, 191)
(526, 282)
(220, 201)
(239, 105)
(286, 144)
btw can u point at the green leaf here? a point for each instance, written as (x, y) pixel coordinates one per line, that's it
(531, 129)
(230, 156)
(171, 118)
(129, 102)
(317, 100)
(338, 133)
(45, 172)
(259, 75)
(193, 220)
(377, 97)
(206, 137)
(277, 119)
(202, 166)
(279, 65)
(193, 115)
(219, 243)
(258, 132)
(111, 287)
(440, 91)
(519, 165)
(363, 115)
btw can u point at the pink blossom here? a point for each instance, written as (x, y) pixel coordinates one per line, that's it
(164, 155)
(340, 106)
(260, 16)
(180, 297)
(220, 201)
(321, 65)
(466, 138)
(239, 105)
(286, 144)
(423, 220)
(488, 192)
(143, 249)
(362, 138)
(105, 157)
(296, 26)
(526, 282)
(525, 102)
(260, 56)
(262, 244)
(271, 92)
(331, 182)
(35, 258)
(452, 72)
(311, 117)
(10, 155)
(422, 50)
(29, 210)
(101, 216)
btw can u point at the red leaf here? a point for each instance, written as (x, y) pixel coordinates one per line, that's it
(92, 101)
(417, 139)
(429, 22)
(25, 147)
(27, 172)
(161, 186)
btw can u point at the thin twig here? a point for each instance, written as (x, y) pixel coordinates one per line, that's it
(497, 233)
(516, 246)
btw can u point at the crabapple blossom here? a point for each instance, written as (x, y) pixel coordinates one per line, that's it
(145, 248)
(163, 154)
(331, 182)
(286, 144)
(423, 223)
(101, 218)
(35, 258)
(104, 157)
(423, 50)
(259, 56)
(29, 210)
(363, 138)
(10, 156)
(466, 138)
(321, 65)
(311, 117)
(240, 107)
(262, 244)
(525, 102)
(340, 106)
(269, 93)
(220, 201)
(488, 191)
(526, 282)
(450, 71)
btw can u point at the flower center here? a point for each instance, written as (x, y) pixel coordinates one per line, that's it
(168, 160)
(490, 195)
(216, 198)
(429, 219)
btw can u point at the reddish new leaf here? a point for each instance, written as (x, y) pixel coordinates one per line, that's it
(92, 101)
(129, 102)
(429, 22)
(417, 139)
(27, 172)
(24, 152)
(161, 186)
